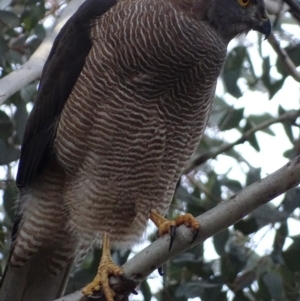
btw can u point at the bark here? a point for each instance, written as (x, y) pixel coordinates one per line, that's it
(32, 69)
(213, 221)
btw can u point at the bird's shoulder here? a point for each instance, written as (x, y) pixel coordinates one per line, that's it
(59, 75)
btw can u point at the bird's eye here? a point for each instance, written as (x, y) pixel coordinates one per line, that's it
(244, 3)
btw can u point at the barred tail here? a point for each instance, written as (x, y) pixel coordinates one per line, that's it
(33, 281)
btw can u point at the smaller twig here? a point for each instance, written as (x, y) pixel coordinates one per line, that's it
(291, 115)
(284, 58)
(32, 69)
(275, 7)
(295, 7)
(202, 188)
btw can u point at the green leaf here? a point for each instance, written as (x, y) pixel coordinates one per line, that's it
(8, 154)
(293, 51)
(218, 111)
(32, 15)
(6, 126)
(240, 296)
(9, 19)
(268, 214)
(186, 258)
(197, 288)
(274, 285)
(281, 110)
(220, 240)
(251, 67)
(272, 85)
(290, 153)
(252, 139)
(9, 199)
(233, 185)
(39, 31)
(253, 175)
(244, 279)
(275, 87)
(258, 119)
(266, 72)
(230, 267)
(189, 290)
(291, 282)
(38, 35)
(287, 125)
(279, 241)
(146, 291)
(29, 92)
(291, 257)
(214, 187)
(232, 70)
(3, 51)
(219, 103)
(15, 57)
(21, 116)
(291, 200)
(231, 120)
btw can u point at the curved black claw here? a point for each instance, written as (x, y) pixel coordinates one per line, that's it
(160, 271)
(172, 236)
(195, 234)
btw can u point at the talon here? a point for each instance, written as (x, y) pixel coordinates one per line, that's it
(165, 226)
(160, 271)
(106, 269)
(195, 234)
(172, 236)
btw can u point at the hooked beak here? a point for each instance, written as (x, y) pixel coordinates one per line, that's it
(264, 26)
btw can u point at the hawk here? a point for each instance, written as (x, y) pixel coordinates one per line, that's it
(123, 100)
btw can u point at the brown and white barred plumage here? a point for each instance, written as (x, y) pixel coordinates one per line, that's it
(131, 123)
(129, 126)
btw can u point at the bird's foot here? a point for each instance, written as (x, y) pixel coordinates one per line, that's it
(106, 268)
(165, 226)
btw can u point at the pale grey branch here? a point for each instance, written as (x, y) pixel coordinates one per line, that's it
(284, 58)
(32, 69)
(212, 222)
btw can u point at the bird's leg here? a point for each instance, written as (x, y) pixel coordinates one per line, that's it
(106, 268)
(165, 226)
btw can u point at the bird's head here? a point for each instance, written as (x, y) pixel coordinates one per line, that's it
(235, 17)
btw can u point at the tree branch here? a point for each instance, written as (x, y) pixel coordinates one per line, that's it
(32, 69)
(288, 116)
(295, 8)
(284, 58)
(275, 7)
(213, 221)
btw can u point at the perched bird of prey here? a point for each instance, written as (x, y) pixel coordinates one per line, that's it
(123, 100)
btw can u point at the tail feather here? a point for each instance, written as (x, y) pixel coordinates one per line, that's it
(33, 281)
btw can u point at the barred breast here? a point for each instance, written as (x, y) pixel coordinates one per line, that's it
(134, 117)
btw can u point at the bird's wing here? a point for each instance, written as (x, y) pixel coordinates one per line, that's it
(59, 76)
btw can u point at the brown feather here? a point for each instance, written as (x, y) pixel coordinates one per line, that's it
(130, 123)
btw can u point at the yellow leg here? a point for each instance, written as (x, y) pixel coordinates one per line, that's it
(106, 268)
(165, 226)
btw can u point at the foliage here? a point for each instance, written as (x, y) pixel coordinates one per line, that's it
(239, 272)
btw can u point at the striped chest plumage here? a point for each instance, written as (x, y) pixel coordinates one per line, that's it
(135, 115)
(123, 100)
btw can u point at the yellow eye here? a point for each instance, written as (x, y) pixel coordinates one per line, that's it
(244, 3)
